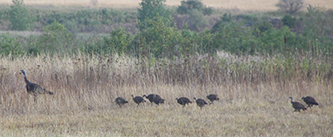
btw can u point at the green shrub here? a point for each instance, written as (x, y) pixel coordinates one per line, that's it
(208, 11)
(196, 20)
(118, 41)
(290, 6)
(248, 20)
(272, 41)
(318, 31)
(223, 20)
(55, 39)
(158, 40)
(149, 9)
(19, 16)
(289, 21)
(233, 37)
(264, 25)
(188, 5)
(10, 45)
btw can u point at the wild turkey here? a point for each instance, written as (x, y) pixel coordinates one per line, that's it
(151, 98)
(183, 101)
(138, 100)
(310, 101)
(33, 88)
(158, 100)
(213, 97)
(297, 106)
(120, 101)
(200, 102)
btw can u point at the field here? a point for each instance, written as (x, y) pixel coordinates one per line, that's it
(252, 5)
(253, 69)
(85, 89)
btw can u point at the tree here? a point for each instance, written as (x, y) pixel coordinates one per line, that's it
(55, 38)
(149, 9)
(118, 41)
(290, 6)
(188, 5)
(19, 18)
(159, 39)
(10, 45)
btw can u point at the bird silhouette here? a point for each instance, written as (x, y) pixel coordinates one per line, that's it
(200, 102)
(138, 100)
(183, 101)
(297, 106)
(120, 101)
(310, 101)
(33, 88)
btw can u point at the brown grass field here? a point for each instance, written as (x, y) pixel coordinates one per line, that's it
(252, 5)
(253, 101)
(85, 89)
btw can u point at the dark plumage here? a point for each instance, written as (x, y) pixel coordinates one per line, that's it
(183, 101)
(138, 100)
(120, 101)
(213, 97)
(200, 102)
(297, 106)
(158, 100)
(310, 101)
(154, 98)
(33, 88)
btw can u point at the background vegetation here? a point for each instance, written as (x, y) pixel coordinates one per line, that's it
(89, 56)
(178, 32)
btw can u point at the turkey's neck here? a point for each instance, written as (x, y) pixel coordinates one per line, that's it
(26, 80)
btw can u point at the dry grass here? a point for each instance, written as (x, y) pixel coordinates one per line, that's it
(253, 5)
(85, 89)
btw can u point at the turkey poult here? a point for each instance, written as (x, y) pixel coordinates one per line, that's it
(213, 97)
(310, 101)
(297, 106)
(33, 88)
(138, 100)
(120, 101)
(183, 101)
(200, 102)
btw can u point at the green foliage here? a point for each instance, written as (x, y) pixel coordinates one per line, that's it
(208, 11)
(196, 20)
(9, 45)
(189, 42)
(187, 6)
(82, 20)
(272, 41)
(289, 21)
(95, 47)
(19, 16)
(150, 9)
(233, 38)
(318, 31)
(264, 25)
(55, 38)
(118, 41)
(158, 40)
(217, 26)
(248, 20)
(290, 6)
(226, 17)
(240, 35)
(223, 21)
